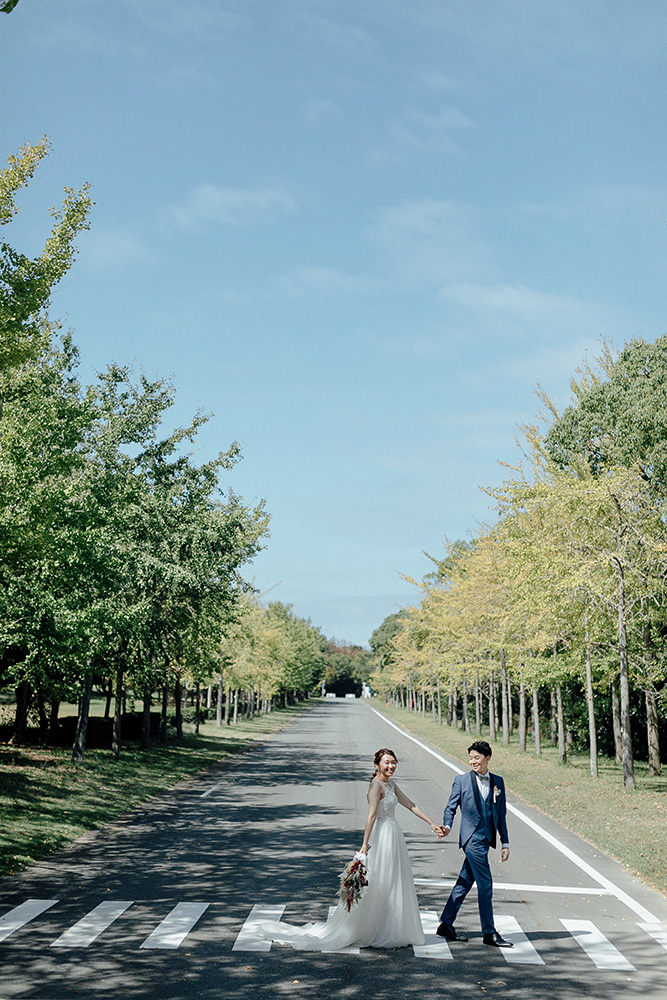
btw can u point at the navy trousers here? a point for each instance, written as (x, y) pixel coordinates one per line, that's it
(475, 868)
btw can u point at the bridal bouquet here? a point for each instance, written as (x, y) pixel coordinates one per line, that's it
(353, 880)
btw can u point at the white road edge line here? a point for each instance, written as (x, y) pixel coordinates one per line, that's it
(602, 880)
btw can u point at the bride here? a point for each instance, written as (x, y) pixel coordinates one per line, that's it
(388, 914)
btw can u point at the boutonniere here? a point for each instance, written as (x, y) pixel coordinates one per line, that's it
(496, 794)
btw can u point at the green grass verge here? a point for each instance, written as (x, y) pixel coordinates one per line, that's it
(630, 826)
(46, 801)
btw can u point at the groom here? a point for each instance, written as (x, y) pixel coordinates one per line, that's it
(481, 797)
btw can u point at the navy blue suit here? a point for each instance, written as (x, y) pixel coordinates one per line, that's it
(480, 822)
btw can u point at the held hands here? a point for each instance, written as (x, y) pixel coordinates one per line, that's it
(444, 830)
(438, 831)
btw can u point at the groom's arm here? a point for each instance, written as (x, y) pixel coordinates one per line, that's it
(502, 820)
(452, 805)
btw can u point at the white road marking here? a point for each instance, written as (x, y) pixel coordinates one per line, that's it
(523, 952)
(597, 946)
(434, 947)
(86, 930)
(567, 890)
(351, 949)
(248, 939)
(23, 914)
(175, 926)
(657, 931)
(602, 880)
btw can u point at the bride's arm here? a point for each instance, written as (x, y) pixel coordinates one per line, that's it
(374, 796)
(409, 804)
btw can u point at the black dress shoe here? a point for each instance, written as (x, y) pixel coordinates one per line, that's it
(449, 931)
(496, 941)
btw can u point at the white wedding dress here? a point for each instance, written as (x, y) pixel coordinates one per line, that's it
(387, 915)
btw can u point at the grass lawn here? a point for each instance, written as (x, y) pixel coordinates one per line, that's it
(46, 801)
(630, 826)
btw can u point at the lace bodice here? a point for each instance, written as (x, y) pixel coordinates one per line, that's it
(387, 804)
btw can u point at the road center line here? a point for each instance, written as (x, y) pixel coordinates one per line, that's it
(602, 880)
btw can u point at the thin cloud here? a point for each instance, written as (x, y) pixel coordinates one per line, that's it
(528, 311)
(319, 108)
(113, 249)
(432, 242)
(232, 206)
(440, 81)
(300, 282)
(177, 19)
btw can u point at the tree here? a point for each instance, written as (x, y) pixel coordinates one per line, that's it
(26, 283)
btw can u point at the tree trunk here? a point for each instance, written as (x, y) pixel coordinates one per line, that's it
(626, 732)
(23, 696)
(118, 715)
(197, 706)
(209, 697)
(218, 707)
(536, 723)
(145, 743)
(562, 750)
(554, 717)
(650, 694)
(492, 707)
(523, 722)
(616, 721)
(53, 719)
(652, 733)
(164, 713)
(79, 747)
(478, 706)
(503, 695)
(236, 706)
(464, 695)
(109, 695)
(178, 705)
(590, 704)
(439, 701)
(228, 699)
(43, 717)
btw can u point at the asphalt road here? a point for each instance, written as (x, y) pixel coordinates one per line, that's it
(159, 905)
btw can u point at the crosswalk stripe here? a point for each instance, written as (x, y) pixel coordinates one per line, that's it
(657, 931)
(23, 914)
(523, 952)
(83, 933)
(175, 926)
(598, 948)
(434, 947)
(351, 950)
(247, 938)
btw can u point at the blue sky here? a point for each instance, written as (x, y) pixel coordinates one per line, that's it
(358, 232)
